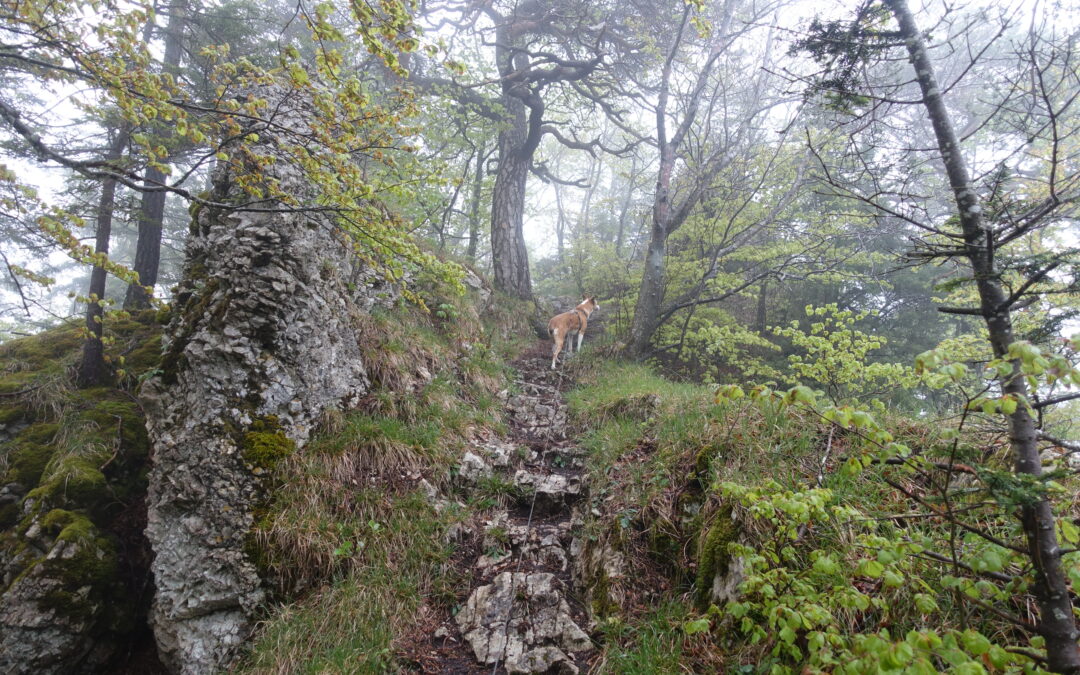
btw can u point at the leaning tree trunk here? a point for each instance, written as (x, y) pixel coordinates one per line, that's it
(152, 208)
(1056, 622)
(92, 369)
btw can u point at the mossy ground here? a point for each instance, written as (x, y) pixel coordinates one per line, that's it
(80, 458)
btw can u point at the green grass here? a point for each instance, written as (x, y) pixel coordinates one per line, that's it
(397, 562)
(654, 643)
(359, 554)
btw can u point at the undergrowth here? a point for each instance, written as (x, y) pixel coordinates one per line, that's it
(757, 536)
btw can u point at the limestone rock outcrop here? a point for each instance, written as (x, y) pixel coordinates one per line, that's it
(262, 341)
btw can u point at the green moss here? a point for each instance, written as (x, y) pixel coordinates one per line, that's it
(73, 480)
(23, 382)
(146, 356)
(600, 599)
(45, 348)
(57, 520)
(33, 449)
(114, 414)
(265, 444)
(92, 563)
(13, 415)
(713, 556)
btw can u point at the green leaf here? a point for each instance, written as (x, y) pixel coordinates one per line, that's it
(825, 564)
(696, 626)
(926, 604)
(871, 568)
(1008, 404)
(975, 643)
(787, 635)
(1069, 531)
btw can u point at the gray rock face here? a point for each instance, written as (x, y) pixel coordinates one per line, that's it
(262, 341)
(38, 636)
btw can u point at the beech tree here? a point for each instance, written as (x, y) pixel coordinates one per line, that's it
(992, 227)
(348, 150)
(696, 138)
(540, 51)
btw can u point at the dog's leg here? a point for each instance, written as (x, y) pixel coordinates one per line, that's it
(580, 337)
(556, 346)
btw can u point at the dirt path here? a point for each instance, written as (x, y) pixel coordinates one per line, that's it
(521, 614)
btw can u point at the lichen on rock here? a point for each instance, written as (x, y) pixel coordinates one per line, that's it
(261, 341)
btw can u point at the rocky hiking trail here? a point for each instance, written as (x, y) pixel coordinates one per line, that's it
(521, 614)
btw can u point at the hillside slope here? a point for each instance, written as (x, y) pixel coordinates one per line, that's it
(476, 511)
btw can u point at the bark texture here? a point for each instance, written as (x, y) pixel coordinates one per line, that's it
(262, 341)
(509, 257)
(1056, 622)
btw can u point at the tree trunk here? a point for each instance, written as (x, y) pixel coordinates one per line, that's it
(151, 216)
(152, 207)
(509, 257)
(92, 369)
(474, 203)
(650, 295)
(1056, 623)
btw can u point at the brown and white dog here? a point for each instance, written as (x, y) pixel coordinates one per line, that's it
(569, 324)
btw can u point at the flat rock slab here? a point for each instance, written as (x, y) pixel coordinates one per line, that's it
(553, 491)
(523, 621)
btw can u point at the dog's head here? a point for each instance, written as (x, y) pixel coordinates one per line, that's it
(589, 304)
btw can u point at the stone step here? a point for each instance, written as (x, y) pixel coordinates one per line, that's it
(523, 621)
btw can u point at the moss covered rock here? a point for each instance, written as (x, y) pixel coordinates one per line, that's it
(72, 478)
(718, 572)
(265, 444)
(69, 589)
